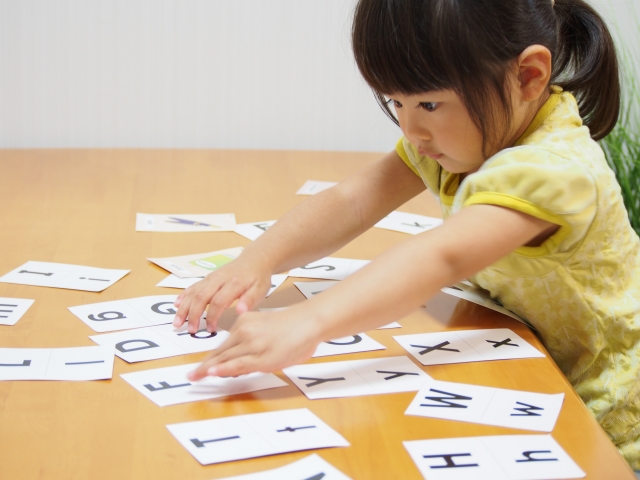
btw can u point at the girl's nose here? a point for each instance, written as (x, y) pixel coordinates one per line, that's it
(414, 129)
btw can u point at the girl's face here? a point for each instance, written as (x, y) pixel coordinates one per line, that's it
(439, 126)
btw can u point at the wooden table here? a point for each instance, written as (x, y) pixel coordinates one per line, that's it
(79, 206)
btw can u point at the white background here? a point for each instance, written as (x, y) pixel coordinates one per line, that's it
(250, 74)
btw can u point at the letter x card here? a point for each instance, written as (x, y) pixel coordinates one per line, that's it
(312, 467)
(255, 435)
(499, 457)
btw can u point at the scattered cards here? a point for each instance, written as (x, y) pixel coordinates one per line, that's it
(408, 222)
(151, 343)
(151, 222)
(329, 268)
(311, 187)
(12, 309)
(312, 467)
(199, 264)
(253, 230)
(63, 275)
(129, 313)
(170, 386)
(357, 377)
(255, 435)
(467, 346)
(499, 457)
(487, 405)
(351, 344)
(77, 363)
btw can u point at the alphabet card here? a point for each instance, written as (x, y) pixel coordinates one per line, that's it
(187, 222)
(253, 230)
(12, 309)
(312, 187)
(350, 344)
(329, 268)
(408, 222)
(311, 289)
(199, 264)
(131, 313)
(170, 386)
(467, 346)
(63, 275)
(173, 281)
(312, 467)
(76, 363)
(162, 341)
(357, 377)
(497, 457)
(256, 435)
(487, 405)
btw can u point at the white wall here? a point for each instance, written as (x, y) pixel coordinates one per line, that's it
(267, 74)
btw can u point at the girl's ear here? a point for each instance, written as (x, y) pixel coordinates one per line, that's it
(534, 72)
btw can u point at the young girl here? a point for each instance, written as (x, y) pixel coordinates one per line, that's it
(499, 103)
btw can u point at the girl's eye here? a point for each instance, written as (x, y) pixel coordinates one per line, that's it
(429, 106)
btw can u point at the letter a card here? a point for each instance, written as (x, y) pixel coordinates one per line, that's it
(312, 467)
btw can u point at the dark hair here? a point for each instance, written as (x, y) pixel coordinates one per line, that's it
(415, 46)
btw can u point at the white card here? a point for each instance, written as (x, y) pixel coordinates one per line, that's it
(408, 222)
(76, 363)
(12, 309)
(129, 313)
(468, 292)
(255, 435)
(487, 405)
(170, 386)
(253, 230)
(312, 467)
(62, 275)
(187, 222)
(357, 377)
(162, 341)
(311, 187)
(499, 457)
(173, 281)
(329, 268)
(199, 264)
(350, 344)
(276, 281)
(467, 346)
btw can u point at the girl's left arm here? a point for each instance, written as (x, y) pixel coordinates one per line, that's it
(390, 287)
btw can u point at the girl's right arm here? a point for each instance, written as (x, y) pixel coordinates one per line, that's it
(314, 229)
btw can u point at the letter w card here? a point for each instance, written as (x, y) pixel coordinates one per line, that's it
(487, 405)
(498, 457)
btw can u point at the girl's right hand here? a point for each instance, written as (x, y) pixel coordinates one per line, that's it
(239, 280)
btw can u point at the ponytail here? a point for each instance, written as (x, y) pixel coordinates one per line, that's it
(585, 64)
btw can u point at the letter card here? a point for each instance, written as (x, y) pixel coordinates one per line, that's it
(498, 457)
(487, 405)
(12, 309)
(351, 344)
(170, 386)
(255, 435)
(329, 268)
(199, 264)
(173, 281)
(185, 222)
(62, 275)
(467, 346)
(357, 377)
(410, 223)
(253, 230)
(312, 467)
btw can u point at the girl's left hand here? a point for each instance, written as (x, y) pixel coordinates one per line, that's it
(261, 342)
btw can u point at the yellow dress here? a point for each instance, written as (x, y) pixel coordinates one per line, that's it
(581, 288)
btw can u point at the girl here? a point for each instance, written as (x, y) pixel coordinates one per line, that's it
(500, 103)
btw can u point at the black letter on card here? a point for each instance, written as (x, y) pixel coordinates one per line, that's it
(37, 273)
(395, 374)
(440, 346)
(202, 443)
(450, 463)
(529, 454)
(329, 267)
(445, 401)
(356, 339)
(84, 363)
(202, 330)
(104, 316)
(526, 410)
(262, 226)
(156, 308)
(150, 344)
(320, 381)
(415, 224)
(6, 311)
(503, 342)
(293, 429)
(317, 476)
(25, 363)
(164, 386)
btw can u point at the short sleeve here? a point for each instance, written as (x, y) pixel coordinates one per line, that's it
(426, 168)
(541, 184)
(403, 155)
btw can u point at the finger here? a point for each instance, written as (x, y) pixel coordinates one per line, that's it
(194, 304)
(235, 367)
(249, 299)
(220, 355)
(221, 301)
(179, 299)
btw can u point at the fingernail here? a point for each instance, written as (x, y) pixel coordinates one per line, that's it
(176, 322)
(191, 375)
